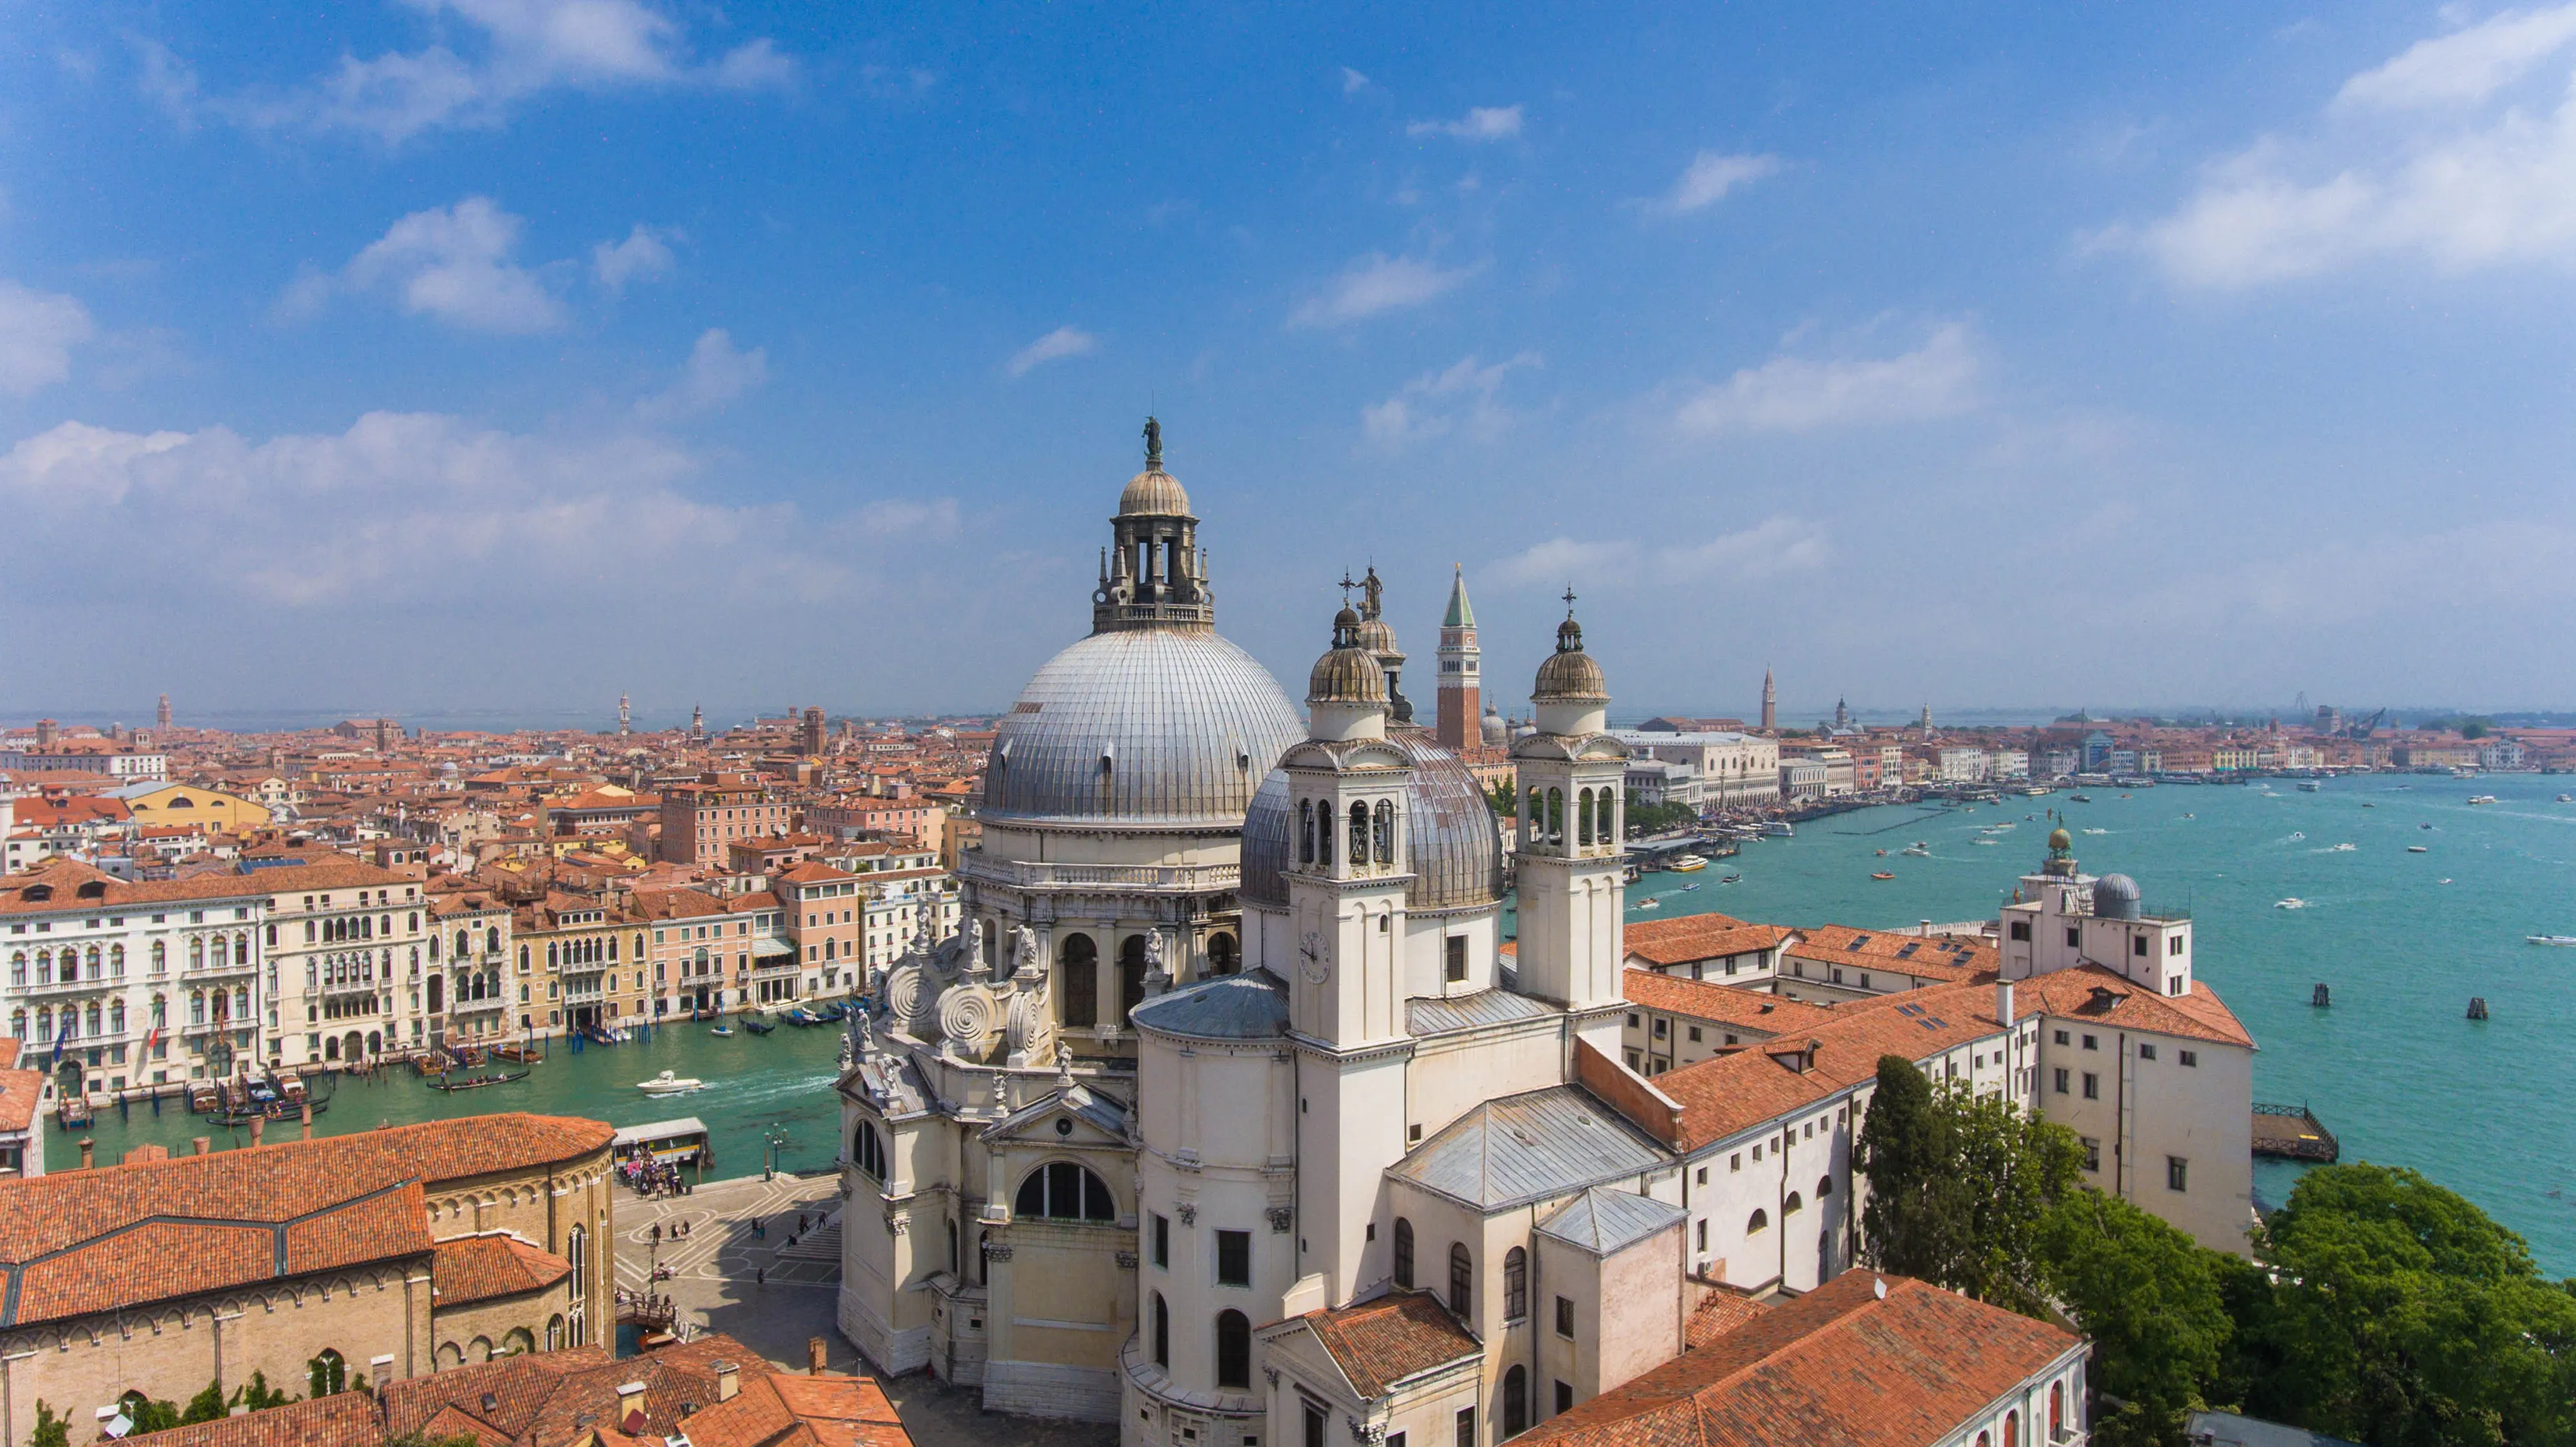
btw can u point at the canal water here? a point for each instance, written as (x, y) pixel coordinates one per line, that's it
(757, 1088)
(2393, 1068)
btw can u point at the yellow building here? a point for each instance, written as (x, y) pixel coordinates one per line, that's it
(164, 803)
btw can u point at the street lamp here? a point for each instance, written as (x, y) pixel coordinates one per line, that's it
(772, 1137)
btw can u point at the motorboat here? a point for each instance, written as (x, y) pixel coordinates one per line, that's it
(1650, 903)
(2343, 849)
(2293, 902)
(2562, 941)
(2079, 798)
(1687, 864)
(1687, 888)
(1918, 849)
(2297, 836)
(2417, 849)
(2310, 786)
(1882, 874)
(1732, 879)
(2482, 798)
(669, 1083)
(722, 1031)
(2567, 798)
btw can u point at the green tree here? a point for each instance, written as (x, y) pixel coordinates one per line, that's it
(207, 1406)
(2149, 1297)
(258, 1396)
(1958, 1183)
(1499, 794)
(1916, 1221)
(146, 1414)
(51, 1431)
(2397, 1313)
(1646, 818)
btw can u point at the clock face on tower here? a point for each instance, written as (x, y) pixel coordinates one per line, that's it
(1316, 968)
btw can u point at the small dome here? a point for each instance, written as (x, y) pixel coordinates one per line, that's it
(1452, 838)
(1376, 637)
(1570, 675)
(1153, 493)
(2115, 896)
(1347, 673)
(1494, 729)
(2059, 841)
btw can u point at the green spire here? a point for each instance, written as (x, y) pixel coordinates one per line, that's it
(1460, 615)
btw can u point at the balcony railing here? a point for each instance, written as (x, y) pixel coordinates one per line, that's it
(1129, 878)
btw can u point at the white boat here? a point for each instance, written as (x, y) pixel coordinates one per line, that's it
(2297, 835)
(1918, 849)
(2417, 849)
(1651, 904)
(2567, 798)
(2097, 831)
(2293, 902)
(2482, 798)
(1687, 863)
(2562, 941)
(2310, 786)
(1982, 841)
(2343, 849)
(1778, 828)
(669, 1083)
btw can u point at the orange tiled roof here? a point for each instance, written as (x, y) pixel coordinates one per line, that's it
(2070, 993)
(1838, 1365)
(1401, 1334)
(468, 1269)
(1935, 957)
(1723, 1004)
(339, 1420)
(1720, 1312)
(1684, 938)
(1736, 1092)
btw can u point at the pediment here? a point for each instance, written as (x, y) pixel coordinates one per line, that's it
(1073, 1116)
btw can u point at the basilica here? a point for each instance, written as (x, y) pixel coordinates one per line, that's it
(1228, 1112)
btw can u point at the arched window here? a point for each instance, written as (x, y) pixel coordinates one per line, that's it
(1224, 956)
(1792, 1206)
(1757, 1224)
(326, 1374)
(1462, 1281)
(1534, 828)
(18, 967)
(1233, 1349)
(44, 1022)
(1824, 1187)
(160, 1011)
(1515, 1401)
(241, 949)
(523, 959)
(18, 1024)
(116, 1016)
(1556, 816)
(116, 962)
(555, 1333)
(1608, 829)
(1305, 831)
(1324, 835)
(1382, 834)
(196, 954)
(1079, 960)
(160, 957)
(868, 1152)
(464, 944)
(2012, 1429)
(1131, 975)
(196, 1007)
(1985, 1439)
(1162, 1332)
(1515, 1284)
(577, 1253)
(1583, 817)
(1064, 1191)
(516, 1340)
(1404, 1253)
(2056, 1411)
(1359, 835)
(241, 1002)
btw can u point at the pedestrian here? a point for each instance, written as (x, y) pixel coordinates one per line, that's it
(760, 1276)
(800, 1223)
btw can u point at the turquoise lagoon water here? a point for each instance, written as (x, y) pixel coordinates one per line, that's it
(2393, 1068)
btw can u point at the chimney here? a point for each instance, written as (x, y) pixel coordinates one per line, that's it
(1924, 928)
(89, 1150)
(257, 1122)
(308, 1120)
(2003, 1003)
(630, 1408)
(202, 1143)
(728, 1381)
(813, 1356)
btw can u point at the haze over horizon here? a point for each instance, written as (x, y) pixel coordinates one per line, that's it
(506, 355)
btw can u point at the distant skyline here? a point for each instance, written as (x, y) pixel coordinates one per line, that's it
(502, 355)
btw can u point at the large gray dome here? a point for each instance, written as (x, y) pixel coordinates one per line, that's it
(1457, 850)
(1155, 727)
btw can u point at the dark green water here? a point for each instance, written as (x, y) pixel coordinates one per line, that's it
(2393, 1068)
(755, 1085)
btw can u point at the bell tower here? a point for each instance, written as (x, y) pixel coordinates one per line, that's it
(1461, 671)
(1571, 817)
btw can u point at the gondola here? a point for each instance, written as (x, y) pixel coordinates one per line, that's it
(756, 1025)
(477, 1082)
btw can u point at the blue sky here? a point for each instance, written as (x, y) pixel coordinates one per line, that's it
(513, 353)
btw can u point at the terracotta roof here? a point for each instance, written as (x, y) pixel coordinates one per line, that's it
(338, 1420)
(59, 882)
(1380, 1343)
(1755, 1010)
(1684, 938)
(1720, 1312)
(1836, 1366)
(480, 1268)
(1934, 957)
(1737, 1092)
(2070, 993)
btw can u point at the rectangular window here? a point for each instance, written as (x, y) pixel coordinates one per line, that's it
(2021, 930)
(2061, 1037)
(1694, 1034)
(1456, 945)
(1735, 1162)
(1700, 1236)
(2061, 1080)
(1565, 1317)
(1234, 1258)
(1703, 1175)
(2189, 1057)
(1564, 1398)
(1632, 1020)
(2074, 937)
(1315, 1422)
(2092, 1153)
(2138, 945)
(1660, 1023)
(1466, 1427)
(1163, 1242)
(2092, 1042)
(2177, 1173)
(2146, 1052)
(2092, 1086)
(2173, 945)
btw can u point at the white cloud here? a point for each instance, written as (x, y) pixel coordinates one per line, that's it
(2438, 155)
(717, 372)
(1055, 346)
(1376, 283)
(38, 330)
(2466, 65)
(1463, 396)
(1353, 81)
(1712, 174)
(1771, 549)
(450, 263)
(512, 50)
(1798, 394)
(403, 510)
(642, 256)
(1481, 123)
